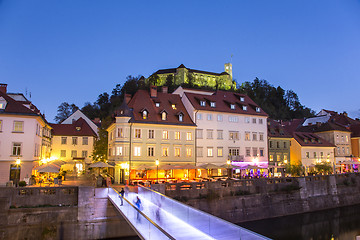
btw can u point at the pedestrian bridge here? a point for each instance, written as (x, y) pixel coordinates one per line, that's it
(164, 218)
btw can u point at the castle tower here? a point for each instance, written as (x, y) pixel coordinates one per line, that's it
(228, 69)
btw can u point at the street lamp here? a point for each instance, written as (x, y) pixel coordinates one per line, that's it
(157, 170)
(17, 175)
(228, 162)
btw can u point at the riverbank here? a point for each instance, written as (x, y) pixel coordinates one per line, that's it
(254, 199)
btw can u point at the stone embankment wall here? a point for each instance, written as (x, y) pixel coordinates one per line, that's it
(253, 199)
(59, 213)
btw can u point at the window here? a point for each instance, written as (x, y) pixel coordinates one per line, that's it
(219, 134)
(120, 133)
(144, 114)
(189, 136)
(199, 151)
(271, 144)
(347, 150)
(163, 116)
(233, 119)
(232, 106)
(18, 126)
(247, 151)
(151, 134)
(16, 149)
(119, 151)
(342, 138)
(212, 104)
(165, 151)
(177, 135)
(307, 155)
(151, 151)
(74, 140)
(137, 151)
(233, 135)
(271, 158)
(188, 152)
(84, 154)
(209, 134)
(314, 154)
(234, 151)
(343, 150)
(137, 133)
(338, 150)
(202, 103)
(277, 144)
(321, 155)
(247, 136)
(337, 138)
(219, 151)
(2, 105)
(244, 108)
(209, 117)
(165, 134)
(260, 121)
(1, 123)
(261, 152)
(242, 99)
(254, 120)
(278, 158)
(199, 116)
(219, 118)
(247, 120)
(173, 106)
(257, 109)
(157, 104)
(181, 117)
(255, 152)
(346, 137)
(210, 152)
(261, 137)
(285, 158)
(254, 136)
(63, 140)
(177, 152)
(85, 141)
(63, 153)
(199, 133)
(73, 153)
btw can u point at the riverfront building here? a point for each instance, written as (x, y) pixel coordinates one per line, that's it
(25, 136)
(151, 126)
(230, 126)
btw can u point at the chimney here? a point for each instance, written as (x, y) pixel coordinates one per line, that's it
(3, 87)
(165, 89)
(345, 114)
(127, 98)
(153, 91)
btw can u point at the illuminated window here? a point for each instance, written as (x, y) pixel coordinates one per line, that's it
(271, 157)
(189, 136)
(119, 151)
(173, 106)
(144, 114)
(233, 135)
(202, 103)
(157, 104)
(177, 152)
(181, 117)
(137, 133)
(212, 104)
(232, 106)
(244, 108)
(165, 134)
(177, 135)
(188, 152)
(18, 126)
(219, 151)
(137, 151)
(257, 109)
(163, 116)
(165, 151)
(120, 133)
(234, 151)
(247, 136)
(242, 99)
(210, 152)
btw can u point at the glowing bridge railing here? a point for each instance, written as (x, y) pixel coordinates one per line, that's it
(166, 218)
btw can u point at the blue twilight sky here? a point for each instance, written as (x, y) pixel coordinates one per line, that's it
(74, 50)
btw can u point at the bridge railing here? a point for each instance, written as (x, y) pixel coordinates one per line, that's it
(209, 224)
(142, 224)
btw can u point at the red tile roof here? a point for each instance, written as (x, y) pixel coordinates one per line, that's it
(306, 139)
(355, 130)
(223, 101)
(78, 128)
(16, 107)
(276, 129)
(142, 101)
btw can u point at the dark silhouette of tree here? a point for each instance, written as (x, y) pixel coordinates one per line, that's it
(100, 151)
(64, 111)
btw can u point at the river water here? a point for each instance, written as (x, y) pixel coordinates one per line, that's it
(340, 223)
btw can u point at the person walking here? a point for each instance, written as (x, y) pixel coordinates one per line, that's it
(121, 196)
(139, 207)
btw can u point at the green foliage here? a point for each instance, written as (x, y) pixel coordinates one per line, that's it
(295, 170)
(64, 111)
(323, 168)
(278, 103)
(22, 184)
(154, 80)
(100, 146)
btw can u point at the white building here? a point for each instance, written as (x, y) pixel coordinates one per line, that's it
(229, 126)
(25, 136)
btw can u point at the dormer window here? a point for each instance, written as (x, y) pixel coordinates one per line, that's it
(163, 116)
(244, 108)
(173, 106)
(232, 106)
(202, 103)
(257, 109)
(144, 114)
(212, 104)
(242, 99)
(181, 117)
(3, 103)
(78, 128)
(157, 104)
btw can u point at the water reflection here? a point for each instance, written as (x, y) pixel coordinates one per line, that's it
(339, 223)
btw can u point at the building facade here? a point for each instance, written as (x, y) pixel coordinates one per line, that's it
(230, 126)
(150, 127)
(25, 137)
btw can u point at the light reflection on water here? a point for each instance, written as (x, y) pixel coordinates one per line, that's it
(340, 223)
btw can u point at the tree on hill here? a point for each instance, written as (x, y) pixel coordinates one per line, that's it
(64, 111)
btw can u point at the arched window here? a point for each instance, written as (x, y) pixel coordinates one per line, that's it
(181, 117)
(145, 114)
(163, 116)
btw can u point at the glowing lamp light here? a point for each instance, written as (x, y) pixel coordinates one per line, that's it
(285, 161)
(18, 162)
(228, 162)
(157, 162)
(255, 160)
(124, 165)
